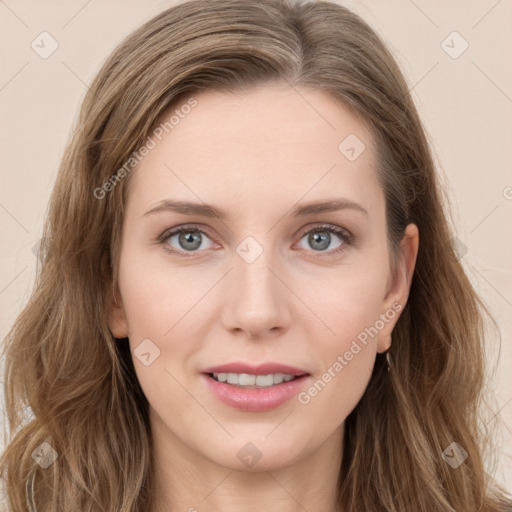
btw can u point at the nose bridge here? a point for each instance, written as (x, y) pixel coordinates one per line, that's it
(255, 258)
(256, 301)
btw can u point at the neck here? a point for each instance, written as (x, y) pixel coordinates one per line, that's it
(185, 481)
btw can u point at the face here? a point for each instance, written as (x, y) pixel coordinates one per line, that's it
(267, 284)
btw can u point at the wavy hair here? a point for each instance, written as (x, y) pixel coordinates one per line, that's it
(64, 366)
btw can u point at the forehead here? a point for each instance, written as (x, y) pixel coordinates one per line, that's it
(275, 143)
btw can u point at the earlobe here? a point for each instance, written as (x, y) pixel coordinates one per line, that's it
(116, 316)
(385, 345)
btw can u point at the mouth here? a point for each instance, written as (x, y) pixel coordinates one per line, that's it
(251, 381)
(255, 388)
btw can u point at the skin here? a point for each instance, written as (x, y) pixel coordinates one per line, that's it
(256, 155)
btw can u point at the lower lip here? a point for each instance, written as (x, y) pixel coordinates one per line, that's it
(255, 399)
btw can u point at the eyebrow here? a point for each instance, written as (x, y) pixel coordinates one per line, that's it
(207, 210)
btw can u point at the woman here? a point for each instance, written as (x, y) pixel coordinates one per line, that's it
(248, 296)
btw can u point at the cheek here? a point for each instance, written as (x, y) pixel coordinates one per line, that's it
(155, 296)
(344, 358)
(348, 302)
(164, 315)
(350, 308)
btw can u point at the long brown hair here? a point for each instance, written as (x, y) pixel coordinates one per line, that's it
(63, 363)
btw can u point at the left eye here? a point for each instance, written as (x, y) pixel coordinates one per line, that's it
(191, 239)
(320, 238)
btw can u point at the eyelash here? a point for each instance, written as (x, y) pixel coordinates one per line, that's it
(346, 237)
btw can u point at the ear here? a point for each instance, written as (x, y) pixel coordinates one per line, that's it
(116, 315)
(399, 286)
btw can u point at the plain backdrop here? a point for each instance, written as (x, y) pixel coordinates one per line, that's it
(457, 60)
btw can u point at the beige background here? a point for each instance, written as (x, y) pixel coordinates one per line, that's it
(466, 104)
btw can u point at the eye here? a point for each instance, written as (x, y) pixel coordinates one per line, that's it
(185, 239)
(320, 239)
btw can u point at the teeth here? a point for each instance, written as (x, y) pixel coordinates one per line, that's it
(232, 378)
(264, 380)
(246, 379)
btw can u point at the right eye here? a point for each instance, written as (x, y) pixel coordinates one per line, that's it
(183, 240)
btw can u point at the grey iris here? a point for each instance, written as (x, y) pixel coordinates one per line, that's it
(321, 237)
(189, 237)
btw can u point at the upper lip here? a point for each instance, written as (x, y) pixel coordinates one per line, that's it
(260, 369)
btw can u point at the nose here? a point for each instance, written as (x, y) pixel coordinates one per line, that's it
(257, 302)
